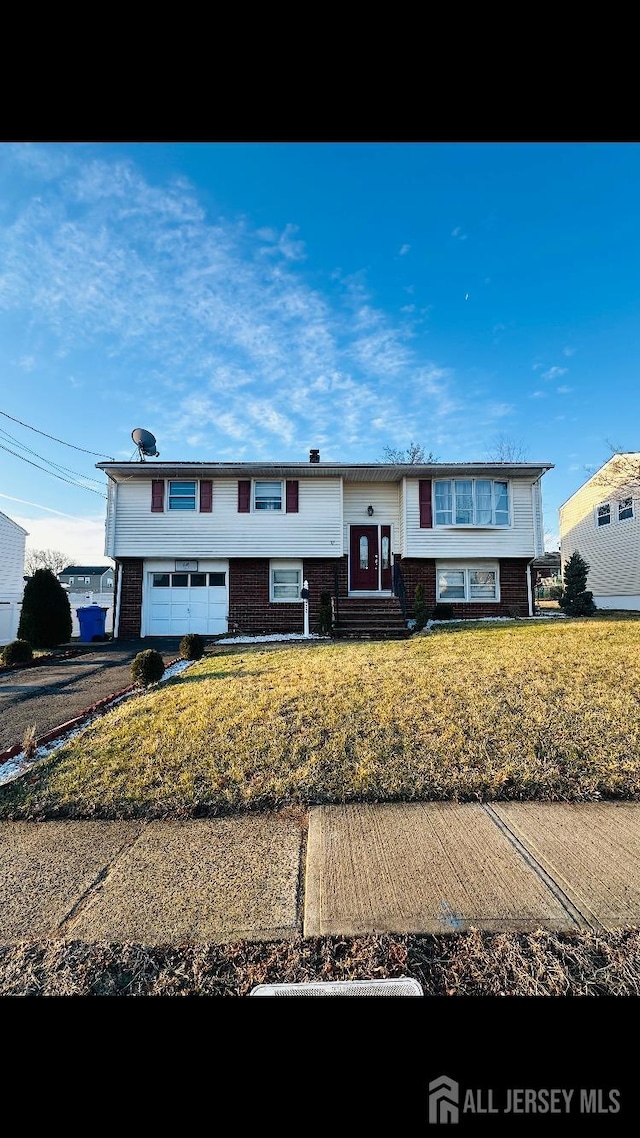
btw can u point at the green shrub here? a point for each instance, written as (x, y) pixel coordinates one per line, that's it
(443, 611)
(147, 667)
(45, 620)
(192, 646)
(575, 600)
(325, 614)
(420, 608)
(17, 652)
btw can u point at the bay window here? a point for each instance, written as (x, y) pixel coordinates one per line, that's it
(471, 502)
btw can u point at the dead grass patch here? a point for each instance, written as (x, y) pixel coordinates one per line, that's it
(544, 710)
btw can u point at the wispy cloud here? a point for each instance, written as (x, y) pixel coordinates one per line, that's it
(212, 328)
(458, 233)
(554, 373)
(564, 390)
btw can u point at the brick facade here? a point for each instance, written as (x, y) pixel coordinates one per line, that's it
(251, 611)
(130, 599)
(514, 596)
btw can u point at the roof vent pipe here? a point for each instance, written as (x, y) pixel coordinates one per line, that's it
(314, 456)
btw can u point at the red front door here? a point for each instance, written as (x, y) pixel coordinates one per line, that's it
(364, 558)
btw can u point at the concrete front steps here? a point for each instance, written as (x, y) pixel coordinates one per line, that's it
(370, 618)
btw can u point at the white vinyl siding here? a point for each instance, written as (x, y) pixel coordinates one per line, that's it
(612, 550)
(285, 581)
(467, 582)
(314, 531)
(12, 552)
(521, 538)
(385, 499)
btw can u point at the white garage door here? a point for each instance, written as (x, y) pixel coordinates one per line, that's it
(187, 602)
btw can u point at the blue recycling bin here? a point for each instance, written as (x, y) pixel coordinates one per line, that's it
(92, 619)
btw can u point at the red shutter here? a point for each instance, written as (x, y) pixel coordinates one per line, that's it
(157, 496)
(244, 496)
(424, 493)
(206, 495)
(292, 497)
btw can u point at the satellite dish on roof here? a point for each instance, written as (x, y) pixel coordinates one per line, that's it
(145, 443)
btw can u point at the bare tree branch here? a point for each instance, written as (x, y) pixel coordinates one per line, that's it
(414, 454)
(51, 559)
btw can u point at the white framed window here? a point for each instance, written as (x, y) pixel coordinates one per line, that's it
(71, 580)
(182, 495)
(603, 514)
(472, 581)
(471, 502)
(109, 582)
(285, 580)
(625, 509)
(267, 495)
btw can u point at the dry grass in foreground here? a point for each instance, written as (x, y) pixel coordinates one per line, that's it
(534, 710)
(472, 963)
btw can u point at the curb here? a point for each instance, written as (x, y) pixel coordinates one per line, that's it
(52, 658)
(100, 705)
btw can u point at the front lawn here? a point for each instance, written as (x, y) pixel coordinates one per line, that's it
(547, 710)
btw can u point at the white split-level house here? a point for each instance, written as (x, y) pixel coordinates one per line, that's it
(215, 547)
(601, 522)
(12, 551)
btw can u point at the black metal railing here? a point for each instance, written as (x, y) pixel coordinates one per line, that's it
(399, 588)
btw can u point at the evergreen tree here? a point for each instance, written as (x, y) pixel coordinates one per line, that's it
(420, 608)
(45, 620)
(575, 600)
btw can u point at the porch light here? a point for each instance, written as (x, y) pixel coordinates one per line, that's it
(370, 511)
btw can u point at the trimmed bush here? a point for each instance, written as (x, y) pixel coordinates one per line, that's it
(325, 615)
(420, 609)
(147, 667)
(192, 646)
(17, 652)
(45, 620)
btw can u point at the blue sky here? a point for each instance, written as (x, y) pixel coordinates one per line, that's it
(254, 300)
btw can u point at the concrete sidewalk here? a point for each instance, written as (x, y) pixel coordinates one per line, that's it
(338, 870)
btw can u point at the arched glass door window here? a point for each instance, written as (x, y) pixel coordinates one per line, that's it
(385, 552)
(364, 552)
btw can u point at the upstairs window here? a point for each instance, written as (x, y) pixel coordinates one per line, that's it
(471, 502)
(625, 509)
(268, 496)
(182, 495)
(604, 514)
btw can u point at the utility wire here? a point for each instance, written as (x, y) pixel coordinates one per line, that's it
(55, 440)
(53, 475)
(65, 469)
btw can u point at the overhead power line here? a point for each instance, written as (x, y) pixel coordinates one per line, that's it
(78, 485)
(55, 440)
(8, 437)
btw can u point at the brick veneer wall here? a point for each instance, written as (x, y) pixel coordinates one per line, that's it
(130, 599)
(514, 598)
(251, 611)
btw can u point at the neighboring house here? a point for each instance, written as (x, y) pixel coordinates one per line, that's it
(89, 584)
(601, 521)
(12, 548)
(88, 578)
(547, 570)
(212, 547)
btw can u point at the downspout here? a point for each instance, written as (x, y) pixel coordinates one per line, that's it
(116, 614)
(529, 589)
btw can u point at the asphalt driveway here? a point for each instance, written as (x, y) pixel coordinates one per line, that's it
(47, 695)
